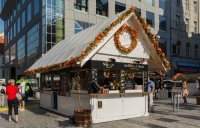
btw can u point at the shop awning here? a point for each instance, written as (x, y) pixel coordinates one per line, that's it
(81, 47)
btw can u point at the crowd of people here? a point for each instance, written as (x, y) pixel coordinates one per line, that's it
(16, 97)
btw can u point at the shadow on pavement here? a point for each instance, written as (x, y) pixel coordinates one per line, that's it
(149, 125)
(3, 115)
(167, 120)
(65, 123)
(189, 117)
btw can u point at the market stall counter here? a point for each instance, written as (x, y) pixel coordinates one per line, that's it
(104, 107)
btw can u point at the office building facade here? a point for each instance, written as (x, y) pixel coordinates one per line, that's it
(32, 27)
(2, 72)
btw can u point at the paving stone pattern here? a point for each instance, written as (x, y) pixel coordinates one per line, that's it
(163, 117)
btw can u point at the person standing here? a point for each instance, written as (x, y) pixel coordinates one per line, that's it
(11, 91)
(2, 94)
(22, 92)
(151, 89)
(185, 92)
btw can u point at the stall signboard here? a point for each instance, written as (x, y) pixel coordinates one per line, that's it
(103, 65)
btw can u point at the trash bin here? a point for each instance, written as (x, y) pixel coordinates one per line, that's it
(55, 100)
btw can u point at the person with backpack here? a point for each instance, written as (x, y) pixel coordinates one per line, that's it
(2, 94)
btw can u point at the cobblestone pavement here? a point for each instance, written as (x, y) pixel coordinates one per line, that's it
(163, 117)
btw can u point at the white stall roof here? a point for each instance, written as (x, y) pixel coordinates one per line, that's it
(75, 44)
(72, 46)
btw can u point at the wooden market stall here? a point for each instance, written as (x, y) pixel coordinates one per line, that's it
(103, 69)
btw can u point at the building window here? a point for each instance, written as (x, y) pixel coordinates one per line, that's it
(23, 19)
(138, 10)
(119, 7)
(10, 18)
(14, 30)
(29, 12)
(80, 25)
(18, 6)
(187, 23)
(195, 27)
(14, 12)
(195, 7)
(196, 51)
(53, 23)
(6, 25)
(162, 23)
(176, 50)
(162, 4)
(33, 43)
(21, 50)
(36, 6)
(13, 52)
(177, 21)
(81, 5)
(11, 33)
(18, 25)
(150, 19)
(23, 2)
(7, 56)
(8, 38)
(188, 49)
(178, 3)
(187, 4)
(150, 2)
(163, 44)
(102, 7)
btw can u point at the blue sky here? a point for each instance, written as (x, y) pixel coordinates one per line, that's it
(1, 26)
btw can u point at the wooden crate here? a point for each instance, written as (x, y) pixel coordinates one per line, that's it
(198, 100)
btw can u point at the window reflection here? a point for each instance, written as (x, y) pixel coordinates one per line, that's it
(162, 23)
(29, 12)
(162, 4)
(102, 7)
(150, 19)
(21, 50)
(119, 7)
(80, 25)
(53, 23)
(81, 5)
(33, 42)
(7, 60)
(36, 6)
(23, 19)
(13, 52)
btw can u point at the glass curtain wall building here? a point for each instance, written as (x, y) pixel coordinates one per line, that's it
(32, 27)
